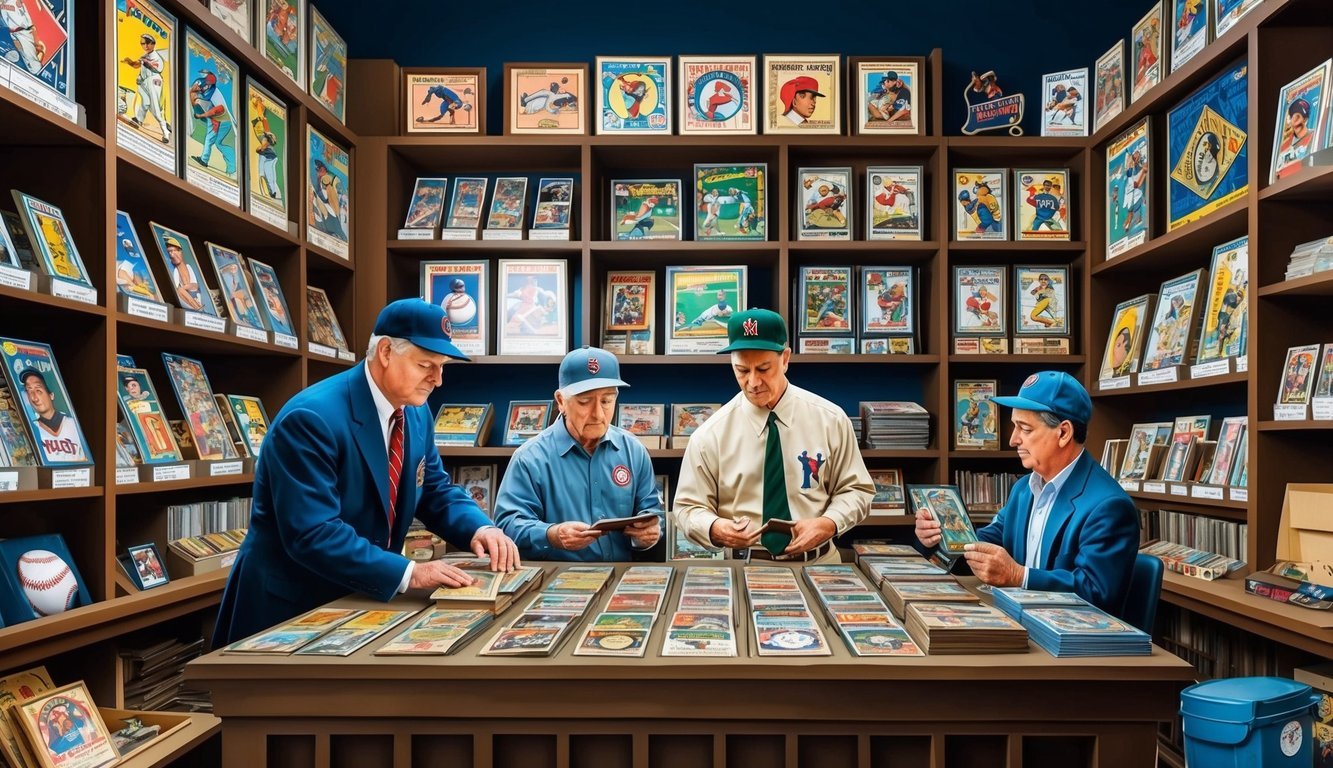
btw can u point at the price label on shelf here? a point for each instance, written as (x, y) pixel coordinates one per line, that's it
(252, 334)
(1239, 494)
(458, 234)
(224, 468)
(1119, 382)
(1210, 492)
(147, 309)
(1242, 364)
(416, 234)
(9, 481)
(502, 234)
(81, 477)
(127, 475)
(285, 340)
(169, 472)
(13, 277)
(1323, 408)
(1290, 412)
(1131, 486)
(64, 289)
(205, 322)
(1154, 488)
(1179, 490)
(1213, 368)
(1160, 376)
(320, 349)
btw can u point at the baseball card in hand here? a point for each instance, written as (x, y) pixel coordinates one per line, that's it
(945, 505)
(620, 523)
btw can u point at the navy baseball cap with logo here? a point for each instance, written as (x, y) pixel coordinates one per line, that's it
(1052, 392)
(756, 329)
(420, 322)
(589, 368)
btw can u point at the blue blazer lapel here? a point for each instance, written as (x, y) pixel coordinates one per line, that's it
(369, 435)
(1063, 508)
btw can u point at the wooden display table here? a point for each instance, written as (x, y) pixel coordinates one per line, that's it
(567, 711)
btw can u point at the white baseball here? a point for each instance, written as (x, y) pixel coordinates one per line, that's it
(47, 582)
(460, 308)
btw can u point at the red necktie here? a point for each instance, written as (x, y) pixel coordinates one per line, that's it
(395, 463)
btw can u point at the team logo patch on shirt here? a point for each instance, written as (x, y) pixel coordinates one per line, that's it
(594, 366)
(810, 466)
(421, 472)
(621, 475)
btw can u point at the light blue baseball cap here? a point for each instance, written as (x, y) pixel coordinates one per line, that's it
(589, 368)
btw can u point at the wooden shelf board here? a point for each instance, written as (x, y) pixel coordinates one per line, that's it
(143, 331)
(445, 247)
(51, 494)
(684, 246)
(1018, 246)
(535, 359)
(1318, 284)
(893, 453)
(1019, 359)
(327, 259)
(34, 301)
(178, 485)
(875, 518)
(1184, 384)
(467, 451)
(1226, 508)
(27, 124)
(866, 359)
(1227, 601)
(1000, 454)
(168, 749)
(861, 248)
(1310, 183)
(1293, 426)
(335, 362)
(1188, 246)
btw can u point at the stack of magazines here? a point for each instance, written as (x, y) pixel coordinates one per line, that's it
(154, 675)
(957, 628)
(1309, 258)
(860, 616)
(895, 425)
(702, 624)
(1193, 562)
(1066, 625)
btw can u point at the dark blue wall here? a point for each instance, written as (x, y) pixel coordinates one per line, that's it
(1020, 39)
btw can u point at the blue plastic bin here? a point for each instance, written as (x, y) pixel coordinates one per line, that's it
(1248, 722)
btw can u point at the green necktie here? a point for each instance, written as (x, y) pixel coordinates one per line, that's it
(775, 489)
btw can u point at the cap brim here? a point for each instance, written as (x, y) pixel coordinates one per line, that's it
(736, 346)
(439, 347)
(588, 385)
(1023, 403)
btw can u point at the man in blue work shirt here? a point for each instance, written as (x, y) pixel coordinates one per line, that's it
(579, 470)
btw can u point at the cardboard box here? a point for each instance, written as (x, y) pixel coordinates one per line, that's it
(1305, 534)
(180, 565)
(1320, 677)
(166, 721)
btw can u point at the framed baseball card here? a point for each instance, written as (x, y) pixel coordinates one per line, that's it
(145, 82)
(1065, 105)
(134, 277)
(426, 208)
(1124, 343)
(328, 194)
(642, 418)
(462, 424)
(467, 204)
(251, 421)
(630, 297)
(328, 66)
(210, 91)
(1207, 144)
(281, 35)
(1226, 316)
(238, 15)
(272, 300)
(717, 94)
(35, 380)
(322, 325)
(646, 209)
(883, 95)
(234, 284)
(462, 288)
(980, 307)
(979, 208)
(65, 724)
(1227, 12)
(888, 301)
(536, 307)
(1041, 204)
(39, 45)
(1175, 323)
(1109, 99)
(976, 420)
(200, 408)
(266, 155)
(1189, 30)
(893, 200)
(1324, 386)
(1128, 190)
(731, 202)
(688, 417)
(1302, 113)
(825, 199)
(1146, 51)
(47, 229)
(700, 300)
(555, 203)
(508, 206)
(1298, 375)
(183, 269)
(802, 94)
(633, 94)
(1041, 300)
(526, 419)
(444, 100)
(545, 99)
(824, 307)
(14, 239)
(1229, 439)
(146, 566)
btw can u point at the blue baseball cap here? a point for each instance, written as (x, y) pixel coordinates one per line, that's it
(1052, 392)
(420, 322)
(589, 368)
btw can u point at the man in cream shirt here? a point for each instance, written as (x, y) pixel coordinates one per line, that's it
(774, 451)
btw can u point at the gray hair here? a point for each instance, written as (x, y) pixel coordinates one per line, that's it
(396, 345)
(1053, 421)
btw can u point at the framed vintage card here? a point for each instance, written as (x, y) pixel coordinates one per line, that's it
(630, 297)
(266, 155)
(731, 202)
(889, 494)
(633, 94)
(1189, 30)
(1041, 204)
(146, 566)
(1227, 12)
(39, 45)
(976, 420)
(462, 424)
(646, 209)
(1128, 190)
(64, 728)
(824, 302)
(462, 289)
(144, 419)
(893, 199)
(322, 326)
(1230, 439)
(1175, 323)
(700, 300)
(199, 408)
(882, 91)
(41, 396)
(555, 203)
(444, 100)
(134, 277)
(1109, 85)
(980, 308)
(1208, 147)
(1065, 103)
(535, 293)
(467, 204)
(888, 301)
(1146, 51)
(979, 208)
(328, 194)
(280, 37)
(328, 66)
(1041, 300)
(251, 421)
(211, 96)
(526, 420)
(545, 99)
(14, 238)
(146, 80)
(238, 15)
(1225, 316)
(426, 208)
(508, 205)
(642, 418)
(479, 482)
(183, 269)
(802, 93)
(825, 199)
(1298, 375)
(1125, 340)
(1142, 437)
(1302, 114)
(688, 417)
(234, 284)
(717, 94)
(1323, 388)
(271, 298)
(47, 229)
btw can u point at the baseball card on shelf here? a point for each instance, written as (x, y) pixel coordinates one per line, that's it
(39, 49)
(281, 35)
(824, 296)
(1041, 301)
(238, 15)
(322, 325)
(1128, 190)
(688, 417)
(892, 203)
(630, 310)
(328, 66)
(976, 420)
(479, 482)
(47, 229)
(466, 208)
(1227, 12)
(145, 82)
(18, 248)
(200, 408)
(1146, 51)
(1207, 146)
(462, 424)
(980, 307)
(266, 155)
(145, 566)
(142, 409)
(1175, 323)
(825, 345)
(65, 729)
(461, 288)
(731, 202)
(1065, 103)
(16, 447)
(1189, 30)
(646, 421)
(700, 301)
(1124, 343)
(802, 94)
(1302, 113)
(526, 419)
(979, 209)
(210, 91)
(1298, 376)
(883, 90)
(634, 94)
(134, 276)
(328, 194)
(234, 284)
(273, 302)
(888, 302)
(717, 94)
(183, 268)
(545, 99)
(536, 307)
(552, 217)
(646, 209)
(1041, 204)
(889, 494)
(424, 210)
(1225, 319)
(1324, 387)
(251, 421)
(508, 209)
(1109, 99)
(444, 100)
(35, 379)
(825, 198)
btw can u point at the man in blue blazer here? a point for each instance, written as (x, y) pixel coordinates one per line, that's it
(323, 521)
(1068, 526)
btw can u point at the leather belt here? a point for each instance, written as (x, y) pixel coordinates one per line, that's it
(759, 553)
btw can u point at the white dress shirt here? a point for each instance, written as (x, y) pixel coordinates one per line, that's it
(1044, 494)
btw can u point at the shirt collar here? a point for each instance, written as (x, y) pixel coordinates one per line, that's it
(382, 407)
(565, 442)
(758, 416)
(1037, 484)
